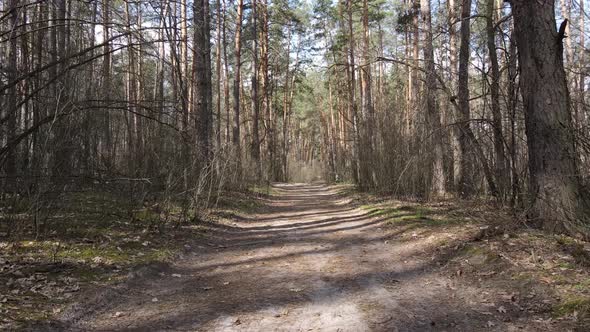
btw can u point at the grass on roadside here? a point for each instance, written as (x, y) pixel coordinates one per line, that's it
(87, 238)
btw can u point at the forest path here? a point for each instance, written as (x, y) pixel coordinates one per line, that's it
(310, 262)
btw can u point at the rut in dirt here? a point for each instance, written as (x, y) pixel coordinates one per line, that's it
(311, 261)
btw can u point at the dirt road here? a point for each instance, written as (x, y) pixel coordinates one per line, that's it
(310, 262)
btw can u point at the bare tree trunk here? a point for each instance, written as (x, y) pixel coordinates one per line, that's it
(202, 82)
(183, 70)
(255, 150)
(286, 108)
(63, 148)
(415, 94)
(437, 182)
(226, 77)
(159, 89)
(513, 101)
(107, 149)
(140, 95)
(218, 73)
(581, 67)
(556, 196)
(352, 98)
(12, 112)
(237, 82)
(264, 84)
(455, 168)
(368, 113)
(90, 118)
(130, 87)
(500, 169)
(37, 108)
(466, 185)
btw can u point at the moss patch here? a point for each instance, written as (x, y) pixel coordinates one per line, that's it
(579, 306)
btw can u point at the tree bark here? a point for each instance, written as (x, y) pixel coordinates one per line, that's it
(202, 82)
(106, 146)
(454, 172)
(237, 82)
(12, 111)
(437, 182)
(218, 74)
(255, 150)
(368, 113)
(352, 98)
(500, 169)
(556, 197)
(466, 185)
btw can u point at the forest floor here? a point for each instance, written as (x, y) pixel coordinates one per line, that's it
(313, 257)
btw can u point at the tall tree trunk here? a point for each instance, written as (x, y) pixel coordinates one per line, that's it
(415, 94)
(500, 169)
(63, 147)
(140, 93)
(183, 63)
(131, 89)
(208, 116)
(581, 67)
(255, 149)
(285, 128)
(367, 111)
(202, 82)
(515, 195)
(218, 74)
(226, 77)
(265, 84)
(106, 146)
(90, 118)
(437, 182)
(38, 109)
(454, 171)
(12, 112)
(556, 197)
(466, 184)
(159, 90)
(352, 98)
(237, 82)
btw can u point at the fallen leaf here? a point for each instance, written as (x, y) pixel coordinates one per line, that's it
(176, 275)
(237, 322)
(501, 309)
(155, 299)
(117, 314)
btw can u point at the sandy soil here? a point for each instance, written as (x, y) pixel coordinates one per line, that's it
(310, 262)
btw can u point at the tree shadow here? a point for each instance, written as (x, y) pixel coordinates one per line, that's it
(247, 270)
